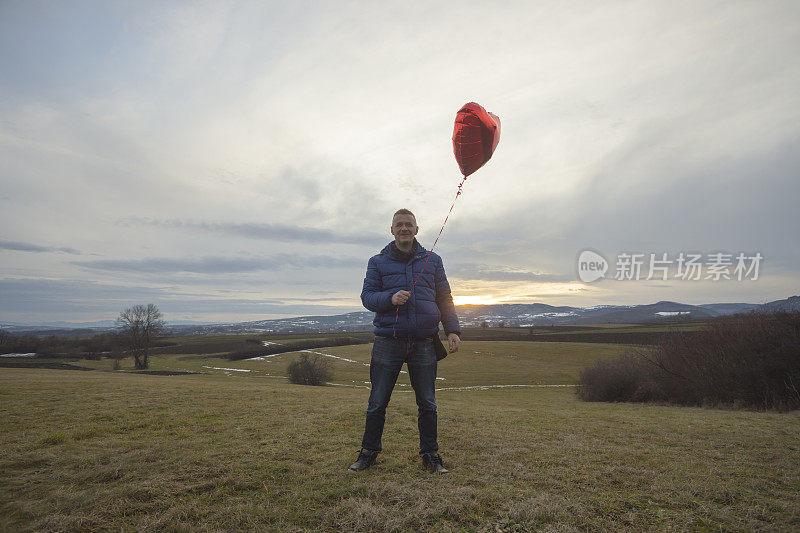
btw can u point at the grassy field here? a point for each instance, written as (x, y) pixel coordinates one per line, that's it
(479, 363)
(227, 450)
(276, 337)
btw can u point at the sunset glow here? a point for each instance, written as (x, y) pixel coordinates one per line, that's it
(475, 300)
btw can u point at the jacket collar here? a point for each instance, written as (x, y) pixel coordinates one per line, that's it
(389, 250)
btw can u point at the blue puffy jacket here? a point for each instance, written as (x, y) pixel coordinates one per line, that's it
(430, 301)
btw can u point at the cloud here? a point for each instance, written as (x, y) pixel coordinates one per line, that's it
(22, 298)
(218, 265)
(551, 295)
(48, 295)
(28, 247)
(472, 271)
(177, 144)
(266, 231)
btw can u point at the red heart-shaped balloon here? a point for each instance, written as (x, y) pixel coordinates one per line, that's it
(475, 137)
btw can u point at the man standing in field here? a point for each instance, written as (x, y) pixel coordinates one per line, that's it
(406, 335)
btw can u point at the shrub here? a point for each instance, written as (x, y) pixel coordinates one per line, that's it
(246, 353)
(750, 360)
(60, 346)
(309, 370)
(21, 344)
(624, 379)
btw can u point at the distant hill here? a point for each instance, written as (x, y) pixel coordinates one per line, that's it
(509, 315)
(731, 309)
(791, 303)
(545, 315)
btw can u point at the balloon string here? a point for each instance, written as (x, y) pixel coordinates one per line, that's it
(397, 311)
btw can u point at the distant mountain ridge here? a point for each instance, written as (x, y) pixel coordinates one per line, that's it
(516, 315)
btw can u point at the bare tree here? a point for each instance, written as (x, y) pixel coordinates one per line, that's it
(139, 326)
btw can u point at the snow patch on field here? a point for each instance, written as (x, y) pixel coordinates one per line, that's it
(467, 388)
(345, 385)
(18, 355)
(329, 355)
(265, 357)
(487, 387)
(229, 369)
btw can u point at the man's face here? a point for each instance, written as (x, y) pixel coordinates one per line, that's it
(404, 228)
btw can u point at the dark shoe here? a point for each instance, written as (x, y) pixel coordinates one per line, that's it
(365, 459)
(433, 463)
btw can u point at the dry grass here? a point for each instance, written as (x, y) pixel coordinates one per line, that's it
(84, 451)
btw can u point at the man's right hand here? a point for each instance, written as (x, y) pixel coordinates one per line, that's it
(400, 297)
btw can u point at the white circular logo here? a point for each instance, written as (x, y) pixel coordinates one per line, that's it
(591, 266)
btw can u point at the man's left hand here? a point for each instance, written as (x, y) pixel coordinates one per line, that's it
(455, 342)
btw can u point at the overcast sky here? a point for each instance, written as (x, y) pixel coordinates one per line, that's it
(235, 161)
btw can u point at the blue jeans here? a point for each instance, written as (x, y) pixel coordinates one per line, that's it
(388, 356)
